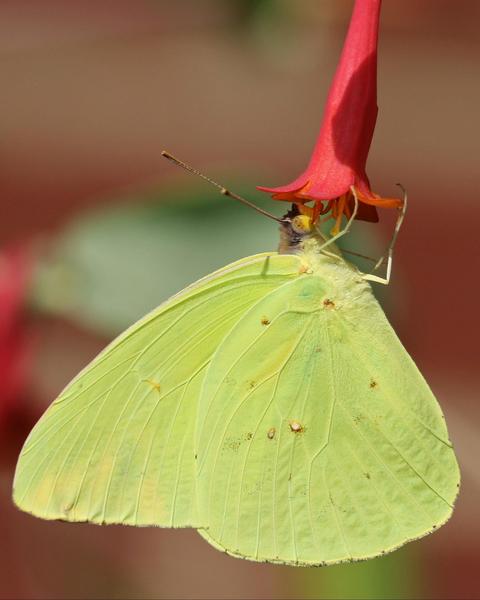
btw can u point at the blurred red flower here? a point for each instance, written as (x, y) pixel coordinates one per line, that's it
(15, 271)
(341, 151)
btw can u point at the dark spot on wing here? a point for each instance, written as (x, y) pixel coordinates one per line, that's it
(373, 383)
(367, 475)
(327, 303)
(296, 427)
(265, 321)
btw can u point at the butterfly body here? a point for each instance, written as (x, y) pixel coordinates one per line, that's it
(269, 405)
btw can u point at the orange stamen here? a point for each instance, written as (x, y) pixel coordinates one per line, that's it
(348, 212)
(340, 208)
(305, 210)
(327, 208)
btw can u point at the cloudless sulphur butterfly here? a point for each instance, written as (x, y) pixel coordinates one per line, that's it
(270, 405)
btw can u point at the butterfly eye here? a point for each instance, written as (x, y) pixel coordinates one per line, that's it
(302, 224)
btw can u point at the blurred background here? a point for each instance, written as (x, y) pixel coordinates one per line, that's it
(93, 226)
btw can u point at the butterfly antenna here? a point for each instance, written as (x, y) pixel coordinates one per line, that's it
(223, 189)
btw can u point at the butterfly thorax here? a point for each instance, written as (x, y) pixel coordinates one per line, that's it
(299, 236)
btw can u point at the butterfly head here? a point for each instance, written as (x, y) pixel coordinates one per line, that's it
(295, 228)
(302, 225)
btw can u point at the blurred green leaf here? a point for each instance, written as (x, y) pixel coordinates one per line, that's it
(111, 266)
(249, 11)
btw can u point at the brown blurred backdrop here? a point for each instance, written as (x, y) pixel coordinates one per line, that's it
(94, 90)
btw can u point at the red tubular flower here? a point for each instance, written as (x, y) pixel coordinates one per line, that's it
(340, 154)
(15, 271)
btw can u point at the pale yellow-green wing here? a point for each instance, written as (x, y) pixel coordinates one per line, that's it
(318, 439)
(117, 445)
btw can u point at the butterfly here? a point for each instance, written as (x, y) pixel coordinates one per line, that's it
(270, 405)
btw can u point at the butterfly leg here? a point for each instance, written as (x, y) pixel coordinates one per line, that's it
(389, 255)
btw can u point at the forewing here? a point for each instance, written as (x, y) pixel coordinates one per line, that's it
(318, 439)
(117, 444)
